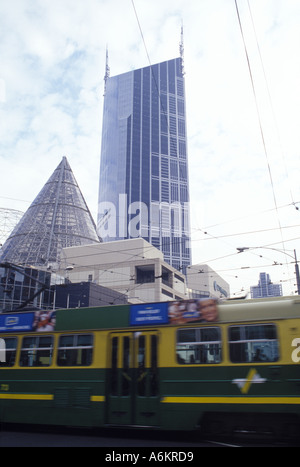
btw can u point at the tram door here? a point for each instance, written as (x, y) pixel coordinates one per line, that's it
(133, 382)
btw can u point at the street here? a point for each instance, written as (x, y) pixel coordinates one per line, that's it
(24, 436)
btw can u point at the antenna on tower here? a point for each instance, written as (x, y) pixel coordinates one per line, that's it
(181, 49)
(107, 71)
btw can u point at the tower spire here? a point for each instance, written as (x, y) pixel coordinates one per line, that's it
(107, 71)
(181, 50)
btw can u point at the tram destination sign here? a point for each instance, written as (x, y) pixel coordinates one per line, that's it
(149, 313)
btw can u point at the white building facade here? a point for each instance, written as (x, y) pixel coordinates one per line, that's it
(133, 267)
(202, 281)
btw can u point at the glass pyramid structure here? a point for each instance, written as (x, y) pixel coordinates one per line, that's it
(57, 218)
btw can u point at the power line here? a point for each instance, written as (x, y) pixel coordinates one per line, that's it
(242, 233)
(141, 31)
(259, 118)
(270, 100)
(248, 215)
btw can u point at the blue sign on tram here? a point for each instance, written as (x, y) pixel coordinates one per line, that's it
(18, 322)
(152, 313)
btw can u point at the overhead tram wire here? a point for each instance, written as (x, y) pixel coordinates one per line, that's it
(241, 233)
(229, 221)
(271, 104)
(209, 236)
(259, 121)
(204, 230)
(141, 31)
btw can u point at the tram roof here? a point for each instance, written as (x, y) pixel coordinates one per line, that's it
(120, 316)
(260, 309)
(228, 311)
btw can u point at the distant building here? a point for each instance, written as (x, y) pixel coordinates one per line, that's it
(265, 287)
(85, 294)
(29, 288)
(57, 218)
(130, 267)
(202, 282)
(23, 288)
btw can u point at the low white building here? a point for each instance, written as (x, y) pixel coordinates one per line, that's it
(133, 267)
(202, 281)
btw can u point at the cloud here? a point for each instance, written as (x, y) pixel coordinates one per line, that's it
(51, 99)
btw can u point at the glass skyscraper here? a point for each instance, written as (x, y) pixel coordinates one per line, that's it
(143, 186)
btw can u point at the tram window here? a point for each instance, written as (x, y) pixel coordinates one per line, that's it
(147, 366)
(36, 351)
(199, 345)
(8, 352)
(75, 350)
(253, 343)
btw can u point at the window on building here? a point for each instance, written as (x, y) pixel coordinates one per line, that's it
(253, 343)
(75, 350)
(167, 293)
(199, 345)
(145, 274)
(179, 278)
(166, 276)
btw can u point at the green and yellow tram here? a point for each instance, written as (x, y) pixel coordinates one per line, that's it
(167, 366)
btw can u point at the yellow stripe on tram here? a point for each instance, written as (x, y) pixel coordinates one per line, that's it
(98, 398)
(231, 400)
(41, 397)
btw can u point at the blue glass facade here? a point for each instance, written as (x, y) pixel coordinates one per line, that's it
(143, 187)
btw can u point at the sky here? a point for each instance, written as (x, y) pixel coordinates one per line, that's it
(242, 75)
